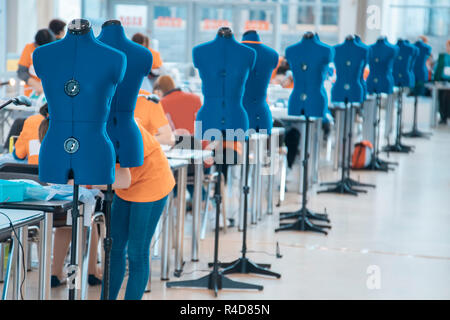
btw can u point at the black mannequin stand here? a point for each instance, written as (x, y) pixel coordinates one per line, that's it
(377, 164)
(107, 243)
(415, 132)
(342, 186)
(243, 264)
(216, 279)
(73, 249)
(303, 215)
(398, 146)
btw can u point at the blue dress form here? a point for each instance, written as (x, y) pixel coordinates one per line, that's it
(349, 62)
(420, 66)
(79, 75)
(224, 66)
(381, 62)
(309, 61)
(413, 60)
(122, 128)
(255, 95)
(403, 76)
(366, 61)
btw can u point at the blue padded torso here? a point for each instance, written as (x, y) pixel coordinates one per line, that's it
(366, 61)
(224, 66)
(98, 69)
(403, 76)
(309, 61)
(349, 62)
(122, 128)
(381, 61)
(255, 95)
(420, 67)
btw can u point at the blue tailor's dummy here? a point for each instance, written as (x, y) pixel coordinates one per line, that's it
(122, 129)
(366, 61)
(403, 76)
(381, 62)
(224, 66)
(349, 62)
(420, 66)
(414, 58)
(309, 61)
(79, 75)
(255, 95)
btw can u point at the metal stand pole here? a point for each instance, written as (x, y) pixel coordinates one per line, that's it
(107, 243)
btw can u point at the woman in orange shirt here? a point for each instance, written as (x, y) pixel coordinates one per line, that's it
(135, 213)
(28, 143)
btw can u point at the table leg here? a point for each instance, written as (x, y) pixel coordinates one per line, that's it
(19, 274)
(45, 258)
(181, 211)
(196, 207)
(165, 245)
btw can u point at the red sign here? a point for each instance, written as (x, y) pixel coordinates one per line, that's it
(259, 25)
(129, 21)
(212, 24)
(169, 22)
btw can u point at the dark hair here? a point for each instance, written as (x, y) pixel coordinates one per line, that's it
(140, 38)
(43, 127)
(44, 36)
(56, 26)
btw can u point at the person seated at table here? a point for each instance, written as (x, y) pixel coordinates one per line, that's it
(151, 115)
(63, 237)
(180, 107)
(28, 144)
(140, 196)
(26, 71)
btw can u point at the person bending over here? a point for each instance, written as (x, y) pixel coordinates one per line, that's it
(138, 203)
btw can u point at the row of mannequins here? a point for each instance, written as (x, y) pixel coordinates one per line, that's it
(91, 85)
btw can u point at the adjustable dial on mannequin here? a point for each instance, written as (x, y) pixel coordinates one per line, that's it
(309, 61)
(349, 62)
(255, 96)
(122, 128)
(224, 65)
(79, 76)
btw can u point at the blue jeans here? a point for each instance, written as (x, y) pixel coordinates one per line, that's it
(132, 224)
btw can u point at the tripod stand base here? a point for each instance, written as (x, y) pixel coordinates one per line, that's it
(415, 133)
(214, 281)
(342, 187)
(398, 147)
(353, 183)
(309, 214)
(303, 224)
(244, 265)
(377, 165)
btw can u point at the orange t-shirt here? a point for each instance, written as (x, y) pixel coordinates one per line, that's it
(154, 179)
(157, 61)
(26, 60)
(182, 108)
(150, 114)
(28, 144)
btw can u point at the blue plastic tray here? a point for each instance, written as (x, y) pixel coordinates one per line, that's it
(11, 191)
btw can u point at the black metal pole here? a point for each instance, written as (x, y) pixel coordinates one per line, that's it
(305, 173)
(344, 141)
(6, 104)
(107, 243)
(73, 269)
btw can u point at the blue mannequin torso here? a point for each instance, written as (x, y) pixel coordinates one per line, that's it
(420, 67)
(349, 62)
(79, 76)
(224, 66)
(414, 58)
(366, 61)
(381, 61)
(403, 77)
(122, 128)
(309, 61)
(255, 95)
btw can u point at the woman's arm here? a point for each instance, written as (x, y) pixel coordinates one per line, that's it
(165, 135)
(122, 180)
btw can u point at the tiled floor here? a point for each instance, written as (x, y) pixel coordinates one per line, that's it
(392, 243)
